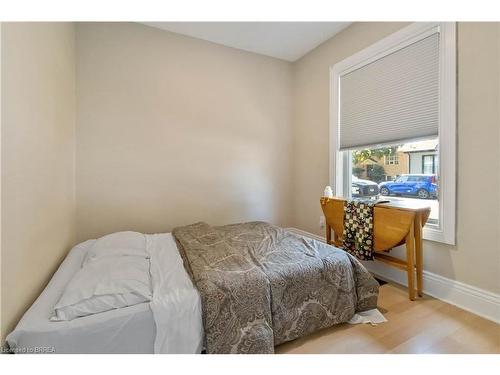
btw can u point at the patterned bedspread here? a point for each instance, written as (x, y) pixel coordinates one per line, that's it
(261, 285)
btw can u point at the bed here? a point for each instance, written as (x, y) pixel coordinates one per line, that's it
(242, 288)
(128, 330)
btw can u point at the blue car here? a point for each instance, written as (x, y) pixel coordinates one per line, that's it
(423, 186)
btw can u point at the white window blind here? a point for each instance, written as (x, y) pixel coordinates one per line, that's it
(392, 99)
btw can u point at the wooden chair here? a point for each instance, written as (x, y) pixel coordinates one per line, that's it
(394, 224)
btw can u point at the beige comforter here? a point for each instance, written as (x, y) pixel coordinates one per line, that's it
(261, 285)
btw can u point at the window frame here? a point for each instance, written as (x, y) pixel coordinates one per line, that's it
(339, 161)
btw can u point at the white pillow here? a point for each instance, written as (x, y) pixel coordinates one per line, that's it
(105, 284)
(118, 244)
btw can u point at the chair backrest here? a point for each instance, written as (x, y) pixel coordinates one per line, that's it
(333, 209)
(390, 225)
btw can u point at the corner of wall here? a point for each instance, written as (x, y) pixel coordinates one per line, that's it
(37, 141)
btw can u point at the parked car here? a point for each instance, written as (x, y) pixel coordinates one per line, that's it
(364, 188)
(423, 186)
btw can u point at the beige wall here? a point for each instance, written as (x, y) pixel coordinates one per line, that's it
(172, 130)
(38, 128)
(475, 259)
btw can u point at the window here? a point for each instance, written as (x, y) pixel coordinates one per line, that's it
(429, 165)
(391, 159)
(393, 121)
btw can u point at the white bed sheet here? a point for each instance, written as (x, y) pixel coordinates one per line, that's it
(176, 303)
(171, 323)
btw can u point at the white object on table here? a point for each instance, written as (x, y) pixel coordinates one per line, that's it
(328, 192)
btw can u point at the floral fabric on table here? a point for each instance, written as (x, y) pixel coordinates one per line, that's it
(358, 228)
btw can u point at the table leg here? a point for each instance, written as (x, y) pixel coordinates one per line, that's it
(410, 259)
(419, 253)
(328, 234)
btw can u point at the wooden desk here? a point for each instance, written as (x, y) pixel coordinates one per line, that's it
(394, 224)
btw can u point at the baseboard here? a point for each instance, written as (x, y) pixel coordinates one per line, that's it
(475, 300)
(307, 234)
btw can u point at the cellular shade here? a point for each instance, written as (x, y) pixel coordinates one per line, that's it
(392, 99)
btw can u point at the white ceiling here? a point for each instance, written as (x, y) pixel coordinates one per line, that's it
(284, 40)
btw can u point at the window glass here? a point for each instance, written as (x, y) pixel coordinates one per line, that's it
(429, 164)
(391, 159)
(413, 177)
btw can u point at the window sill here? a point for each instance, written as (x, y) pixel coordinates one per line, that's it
(432, 233)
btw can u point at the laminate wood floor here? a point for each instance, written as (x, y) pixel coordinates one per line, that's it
(426, 325)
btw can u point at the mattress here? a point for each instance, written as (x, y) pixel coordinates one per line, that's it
(127, 330)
